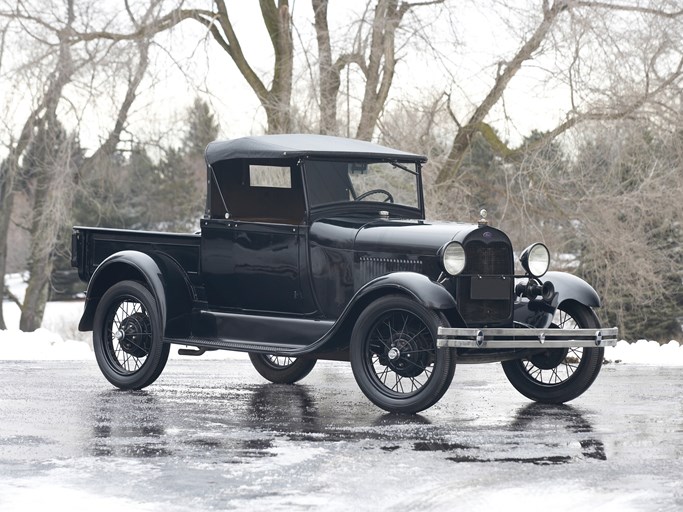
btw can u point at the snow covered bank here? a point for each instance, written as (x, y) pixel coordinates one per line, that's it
(59, 337)
(646, 352)
(41, 345)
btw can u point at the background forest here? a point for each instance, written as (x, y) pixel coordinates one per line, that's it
(564, 118)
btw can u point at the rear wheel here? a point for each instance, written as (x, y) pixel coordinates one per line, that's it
(127, 336)
(394, 356)
(559, 375)
(281, 369)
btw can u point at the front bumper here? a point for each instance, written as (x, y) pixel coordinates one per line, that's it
(454, 337)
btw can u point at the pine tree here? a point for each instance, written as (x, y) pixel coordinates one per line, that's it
(202, 128)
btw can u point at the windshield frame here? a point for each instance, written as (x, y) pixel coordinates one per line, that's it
(366, 207)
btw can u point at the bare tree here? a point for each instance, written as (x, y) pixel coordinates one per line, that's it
(276, 98)
(46, 149)
(374, 51)
(43, 113)
(617, 201)
(652, 69)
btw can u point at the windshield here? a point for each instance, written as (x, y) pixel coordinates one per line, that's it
(383, 182)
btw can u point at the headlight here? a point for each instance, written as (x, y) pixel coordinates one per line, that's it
(535, 259)
(453, 258)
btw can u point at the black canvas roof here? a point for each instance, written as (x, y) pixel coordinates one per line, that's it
(298, 145)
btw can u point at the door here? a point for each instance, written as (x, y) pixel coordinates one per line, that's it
(253, 266)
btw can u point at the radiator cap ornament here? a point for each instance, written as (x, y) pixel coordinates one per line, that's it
(482, 218)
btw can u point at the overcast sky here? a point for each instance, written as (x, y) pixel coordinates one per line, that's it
(471, 46)
(468, 42)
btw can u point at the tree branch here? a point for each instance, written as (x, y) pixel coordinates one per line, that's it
(625, 8)
(13, 298)
(463, 138)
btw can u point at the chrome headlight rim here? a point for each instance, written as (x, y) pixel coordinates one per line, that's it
(536, 259)
(452, 258)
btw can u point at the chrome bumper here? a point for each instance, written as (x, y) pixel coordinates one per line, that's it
(525, 338)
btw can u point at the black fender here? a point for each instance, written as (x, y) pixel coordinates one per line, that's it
(570, 287)
(419, 287)
(422, 289)
(164, 277)
(539, 313)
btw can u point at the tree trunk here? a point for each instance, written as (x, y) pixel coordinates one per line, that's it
(7, 196)
(52, 202)
(329, 74)
(379, 71)
(36, 296)
(49, 204)
(278, 102)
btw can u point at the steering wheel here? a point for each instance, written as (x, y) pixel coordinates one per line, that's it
(389, 198)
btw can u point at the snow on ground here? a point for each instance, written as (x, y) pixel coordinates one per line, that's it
(59, 339)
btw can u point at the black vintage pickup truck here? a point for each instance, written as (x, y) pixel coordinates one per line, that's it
(316, 247)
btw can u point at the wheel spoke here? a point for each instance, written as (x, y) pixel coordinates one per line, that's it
(406, 336)
(129, 317)
(565, 368)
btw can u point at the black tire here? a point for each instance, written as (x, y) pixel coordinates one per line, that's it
(127, 336)
(556, 376)
(281, 369)
(394, 356)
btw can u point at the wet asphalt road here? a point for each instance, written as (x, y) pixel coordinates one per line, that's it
(212, 435)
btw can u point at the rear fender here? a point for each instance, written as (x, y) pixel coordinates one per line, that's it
(162, 275)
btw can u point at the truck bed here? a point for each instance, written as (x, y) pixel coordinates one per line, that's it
(91, 246)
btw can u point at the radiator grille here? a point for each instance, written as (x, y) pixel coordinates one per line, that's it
(374, 267)
(494, 259)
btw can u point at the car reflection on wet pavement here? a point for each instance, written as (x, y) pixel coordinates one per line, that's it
(213, 435)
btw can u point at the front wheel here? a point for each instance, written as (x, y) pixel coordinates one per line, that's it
(559, 375)
(127, 336)
(394, 356)
(281, 369)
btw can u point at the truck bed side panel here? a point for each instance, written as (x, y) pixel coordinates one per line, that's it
(94, 245)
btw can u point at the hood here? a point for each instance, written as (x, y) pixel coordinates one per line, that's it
(408, 237)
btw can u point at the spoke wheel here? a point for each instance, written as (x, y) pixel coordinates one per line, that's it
(281, 369)
(394, 356)
(562, 374)
(127, 336)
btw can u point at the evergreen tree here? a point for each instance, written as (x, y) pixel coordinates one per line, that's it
(202, 128)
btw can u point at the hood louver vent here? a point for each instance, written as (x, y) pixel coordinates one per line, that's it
(376, 267)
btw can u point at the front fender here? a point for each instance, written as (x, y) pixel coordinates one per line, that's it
(539, 314)
(570, 287)
(417, 286)
(118, 267)
(425, 291)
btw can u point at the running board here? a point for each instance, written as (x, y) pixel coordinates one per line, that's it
(239, 346)
(452, 337)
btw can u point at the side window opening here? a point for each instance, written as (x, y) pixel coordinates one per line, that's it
(270, 176)
(258, 192)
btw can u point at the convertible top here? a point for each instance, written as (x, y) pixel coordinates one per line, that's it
(299, 145)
